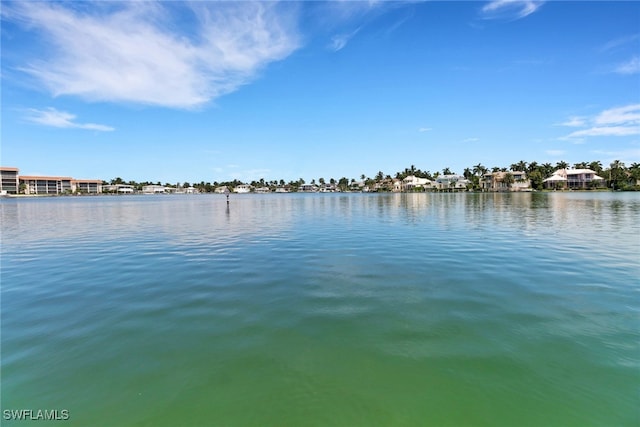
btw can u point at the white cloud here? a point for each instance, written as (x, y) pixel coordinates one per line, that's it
(62, 119)
(574, 121)
(471, 140)
(629, 114)
(339, 41)
(424, 129)
(132, 51)
(619, 121)
(632, 66)
(606, 131)
(509, 9)
(616, 43)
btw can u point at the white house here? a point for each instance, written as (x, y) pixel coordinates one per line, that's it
(574, 178)
(308, 188)
(411, 182)
(242, 188)
(451, 182)
(154, 189)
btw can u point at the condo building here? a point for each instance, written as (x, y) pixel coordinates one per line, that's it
(12, 182)
(9, 180)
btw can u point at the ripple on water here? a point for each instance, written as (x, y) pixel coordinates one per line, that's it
(324, 309)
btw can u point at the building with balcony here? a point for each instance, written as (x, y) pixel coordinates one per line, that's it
(497, 181)
(55, 185)
(412, 183)
(9, 183)
(451, 182)
(574, 179)
(86, 186)
(46, 185)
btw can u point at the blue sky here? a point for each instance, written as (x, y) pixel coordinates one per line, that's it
(214, 91)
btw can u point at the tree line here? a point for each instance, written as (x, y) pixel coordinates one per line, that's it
(617, 176)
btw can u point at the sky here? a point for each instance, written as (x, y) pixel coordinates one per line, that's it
(215, 91)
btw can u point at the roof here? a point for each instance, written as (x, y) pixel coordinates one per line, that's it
(555, 178)
(573, 172)
(45, 178)
(8, 169)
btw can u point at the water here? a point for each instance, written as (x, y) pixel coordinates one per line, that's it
(323, 309)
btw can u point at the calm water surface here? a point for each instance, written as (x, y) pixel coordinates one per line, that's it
(323, 309)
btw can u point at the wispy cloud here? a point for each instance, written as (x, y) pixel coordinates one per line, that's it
(574, 121)
(509, 9)
(626, 156)
(62, 119)
(631, 66)
(471, 140)
(606, 131)
(131, 51)
(616, 43)
(339, 41)
(424, 129)
(627, 115)
(619, 121)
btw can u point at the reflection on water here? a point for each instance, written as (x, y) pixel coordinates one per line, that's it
(324, 309)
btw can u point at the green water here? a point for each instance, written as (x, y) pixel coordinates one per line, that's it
(323, 310)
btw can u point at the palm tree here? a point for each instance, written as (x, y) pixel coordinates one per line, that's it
(508, 179)
(446, 171)
(617, 174)
(580, 165)
(562, 165)
(479, 169)
(596, 166)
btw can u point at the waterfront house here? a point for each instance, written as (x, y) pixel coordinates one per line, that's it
(412, 183)
(262, 190)
(118, 188)
(451, 182)
(242, 188)
(497, 181)
(328, 188)
(308, 188)
(574, 179)
(154, 189)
